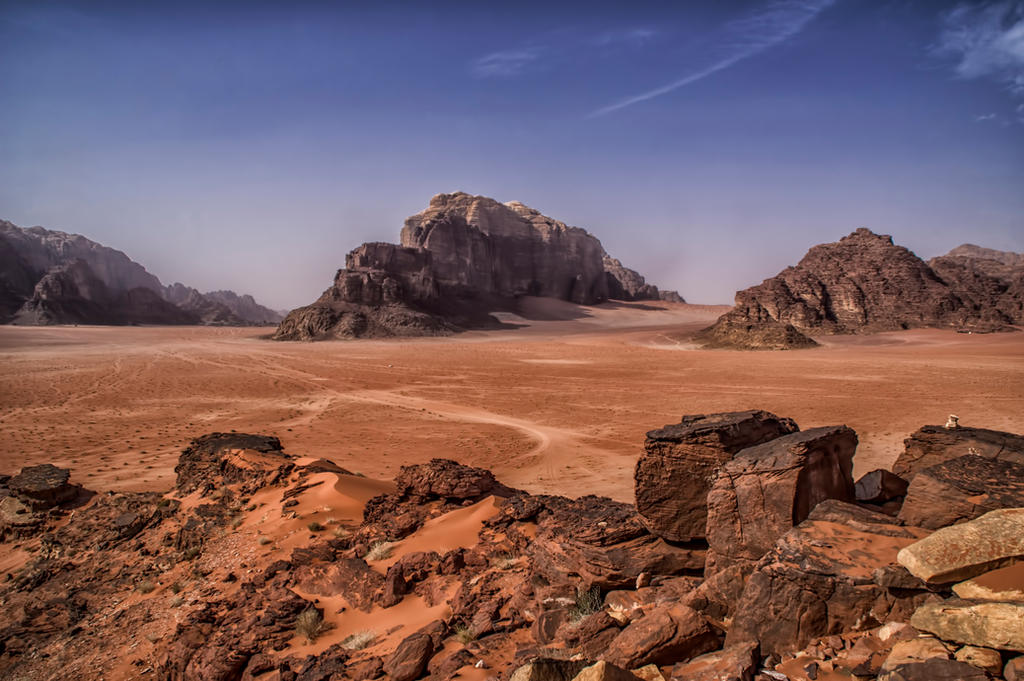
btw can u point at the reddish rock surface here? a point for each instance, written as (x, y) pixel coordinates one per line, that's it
(681, 461)
(961, 489)
(819, 579)
(767, 489)
(932, 445)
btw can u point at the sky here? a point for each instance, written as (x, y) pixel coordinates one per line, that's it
(250, 146)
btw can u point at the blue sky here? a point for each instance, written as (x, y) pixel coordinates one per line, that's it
(708, 145)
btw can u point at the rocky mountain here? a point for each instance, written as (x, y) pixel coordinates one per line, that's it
(752, 554)
(458, 260)
(865, 283)
(51, 277)
(989, 282)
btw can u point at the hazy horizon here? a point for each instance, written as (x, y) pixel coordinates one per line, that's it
(707, 146)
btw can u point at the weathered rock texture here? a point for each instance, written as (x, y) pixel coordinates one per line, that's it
(962, 489)
(820, 577)
(987, 624)
(681, 462)
(969, 549)
(460, 259)
(865, 283)
(990, 282)
(766, 490)
(51, 277)
(932, 445)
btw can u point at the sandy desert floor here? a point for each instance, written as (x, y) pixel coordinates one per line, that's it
(557, 406)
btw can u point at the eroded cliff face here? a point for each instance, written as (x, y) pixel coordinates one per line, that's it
(73, 294)
(52, 277)
(480, 246)
(863, 283)
(990, 283)
(458, 260)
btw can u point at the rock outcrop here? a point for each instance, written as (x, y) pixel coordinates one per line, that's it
(962, 489)
(460, 259)
(932, 445)
(681, 461)
(865, 283)
(72, 294)
(765, 490)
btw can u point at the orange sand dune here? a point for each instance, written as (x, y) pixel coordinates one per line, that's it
(555, 406)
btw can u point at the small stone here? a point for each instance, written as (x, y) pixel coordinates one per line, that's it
(982, 658)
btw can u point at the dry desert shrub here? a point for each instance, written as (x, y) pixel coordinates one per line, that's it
(145, 586)
(310, 624)
(315, 527)
(588, 601)
(379, 550)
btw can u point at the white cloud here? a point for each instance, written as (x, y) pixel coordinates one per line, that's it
(775, 23)
(505, 63)
(987, 42)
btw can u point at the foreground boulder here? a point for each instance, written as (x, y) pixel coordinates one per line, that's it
(962, 489)
(226, 458)
(987, 624)
(820, 579)
(932, 445)
(766, 490)
(969, 549)
(681, 461)
(666, 634)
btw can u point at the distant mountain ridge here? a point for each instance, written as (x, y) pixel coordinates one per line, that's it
(865, 283)
(53, 277)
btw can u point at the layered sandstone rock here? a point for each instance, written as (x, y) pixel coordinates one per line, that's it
(962, 489)
(681, 462)
(460, 259)
(862, 283)
(931, 445)
(969, 549)
(820, 577)
(766, 490)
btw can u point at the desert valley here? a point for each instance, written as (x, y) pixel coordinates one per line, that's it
(509, 457)
(532, 341)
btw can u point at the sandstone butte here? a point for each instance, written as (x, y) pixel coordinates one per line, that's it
(458, 261)
(263, 564)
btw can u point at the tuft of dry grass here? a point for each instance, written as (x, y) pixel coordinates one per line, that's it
(310, 624)
(358, 640)
(315, 527)
(464, 634)
(379, 550)
(177, 602)
(145, 586)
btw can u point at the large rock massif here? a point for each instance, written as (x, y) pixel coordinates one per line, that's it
(264, 565)
(50, 277)
(460, 259)
(865, 283)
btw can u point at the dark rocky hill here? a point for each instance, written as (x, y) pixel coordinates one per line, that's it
(52, 277)
(458, 260)
(865, 283)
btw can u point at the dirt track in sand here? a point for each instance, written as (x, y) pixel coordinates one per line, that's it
(557, 406)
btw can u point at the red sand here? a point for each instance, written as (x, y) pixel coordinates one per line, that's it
(559, 407)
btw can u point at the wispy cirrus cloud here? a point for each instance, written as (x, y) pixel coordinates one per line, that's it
(558, 45)
(506, 62)
(742, 39)
(987, 42)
